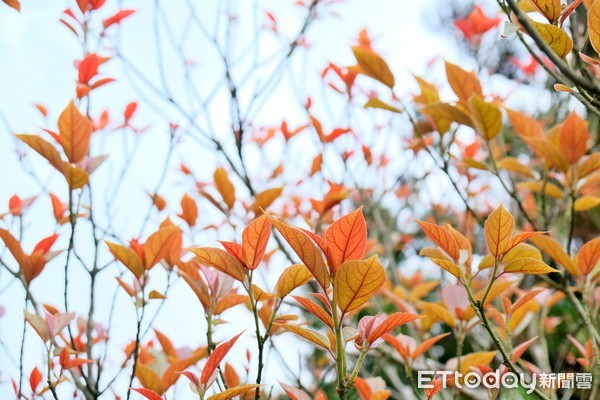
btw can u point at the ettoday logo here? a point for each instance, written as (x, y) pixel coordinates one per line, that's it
(496, 380)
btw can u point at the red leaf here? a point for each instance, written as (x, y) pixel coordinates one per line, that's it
(117, 18)
(147, 393)
(45, 244)
(216, 357)
(35, 378)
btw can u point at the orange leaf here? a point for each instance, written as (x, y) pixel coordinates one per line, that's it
(264, 199)
(75, 132)
(588, 256)
(162, 243)
(573, 138)
(520, 238)
(315, 310)
(43, 148)
(424, 346)
(308, 252)
(487, 117)
(442, 238)
(312, 336)
(528, 266)
(228, 301)
(234, 391)
(551, 9)
(254, 241)
(448, 112)
(216, 357)
(520, 349)
(463, 83)
(128, 257)
(356, 282)
(189, 210)
(291, 278)
(149, 378)
(224, 187)
(221, 260)
(390, 323)
(294, 393)
(13, 4)
(551, 247)
(498, 230)
(346, 239)
(373, 66)
(13, 245)
(524, 125)
(593, 24)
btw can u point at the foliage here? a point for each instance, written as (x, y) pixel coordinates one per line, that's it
(322, 252)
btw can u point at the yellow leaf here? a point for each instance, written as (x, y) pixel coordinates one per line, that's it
(473, 360)
(373, 66)
(75, 132)
(464, 84)
(487, 117)
(261, 295)
(528, 266)
(585, 203)
(573, 138)
(221, 260)
(312, 336)
(498, 230)
(522, 250)
(593, 24)
(75, 176)
(291, 278)
(356, 282)
(513, 165)
(551, 9)
(557, 38)
(149, 378)
(486, 262)
(224, 187)
(128, 257)
(447, 112)
(550, 189)
(548, 151)
(234, 391)
(589, 165)
(376, 103)
(437, 313)
(551, 247)
(448, 266)
(264, 199)
(469, 162)
(156, 295)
